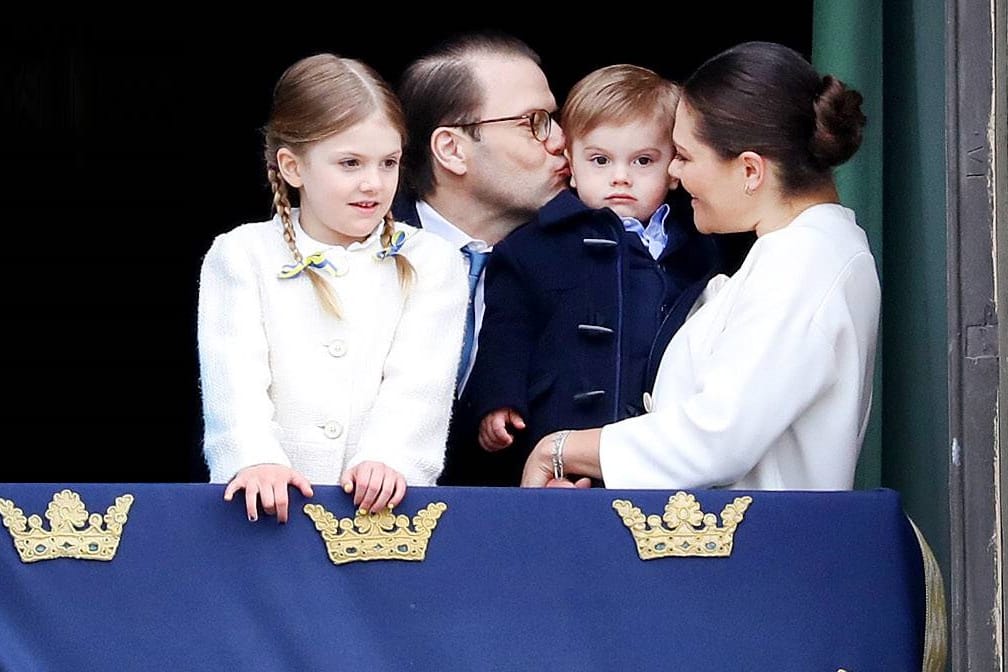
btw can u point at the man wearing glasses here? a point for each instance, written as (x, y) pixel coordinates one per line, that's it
(484, 156)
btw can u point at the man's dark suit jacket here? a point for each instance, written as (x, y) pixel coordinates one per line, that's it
(466, 463)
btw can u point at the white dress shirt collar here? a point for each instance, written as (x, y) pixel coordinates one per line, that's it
(432, 220)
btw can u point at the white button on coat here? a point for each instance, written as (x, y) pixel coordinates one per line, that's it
(337, 348)
(332, 429)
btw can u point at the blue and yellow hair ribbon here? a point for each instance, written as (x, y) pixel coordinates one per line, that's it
(317, 261)
(398, 238)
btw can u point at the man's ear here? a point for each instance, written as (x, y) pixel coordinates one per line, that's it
(754, 171)
(448, 148)
(290, 167)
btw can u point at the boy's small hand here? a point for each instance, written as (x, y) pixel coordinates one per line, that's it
(494, 434)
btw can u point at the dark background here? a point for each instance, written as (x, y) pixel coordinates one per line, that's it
(125, 158)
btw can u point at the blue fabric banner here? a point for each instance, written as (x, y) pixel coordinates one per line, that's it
(513, 579)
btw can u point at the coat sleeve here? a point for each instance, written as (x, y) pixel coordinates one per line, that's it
(234, 364)
(408, 425)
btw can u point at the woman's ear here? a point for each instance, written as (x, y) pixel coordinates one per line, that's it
(290, 167)
(448, 148)
(754, 171)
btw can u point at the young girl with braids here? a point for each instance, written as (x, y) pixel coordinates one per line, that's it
(329, 336)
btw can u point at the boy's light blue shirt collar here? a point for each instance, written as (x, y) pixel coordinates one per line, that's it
(653, 236)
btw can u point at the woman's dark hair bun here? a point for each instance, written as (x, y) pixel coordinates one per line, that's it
(839, 123)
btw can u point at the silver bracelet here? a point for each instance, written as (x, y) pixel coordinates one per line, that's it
(557, 453)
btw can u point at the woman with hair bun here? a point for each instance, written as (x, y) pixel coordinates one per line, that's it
(768, 383)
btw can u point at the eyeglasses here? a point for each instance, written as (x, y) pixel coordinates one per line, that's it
(540, 122)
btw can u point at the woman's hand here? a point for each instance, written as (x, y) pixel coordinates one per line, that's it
(579, 449)
(538, 469)
(374, 485)
(267, 483)
(565, 483)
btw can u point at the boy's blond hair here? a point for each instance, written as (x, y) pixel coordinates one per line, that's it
(618, 94)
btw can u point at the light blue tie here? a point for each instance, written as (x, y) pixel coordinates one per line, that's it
(477, 260)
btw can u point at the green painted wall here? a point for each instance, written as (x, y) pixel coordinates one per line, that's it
(915, 405)
(847, 43)
(894, 53)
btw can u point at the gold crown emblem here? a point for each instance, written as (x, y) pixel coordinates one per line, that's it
(67, 536)
(687, 531)
(375, 536)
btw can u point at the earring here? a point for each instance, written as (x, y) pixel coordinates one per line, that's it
(749, 190)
